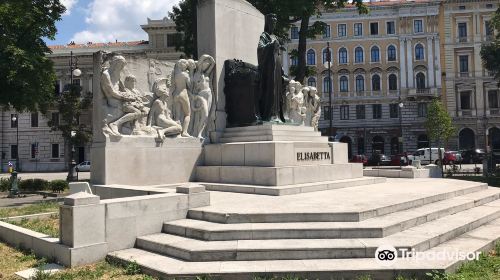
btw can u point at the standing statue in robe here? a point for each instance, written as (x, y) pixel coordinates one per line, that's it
(270, 98)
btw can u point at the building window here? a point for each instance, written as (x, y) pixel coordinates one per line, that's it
(326, 57)
(358, 29)
(374, 28)
(393, 82)
(343, 56)
(493, 99)
(326, 113)
(14, 123)
(358, 55)
(461, 7)
(422, 110)
(360, 112)
(489, 6)
(173, 39)
(489, 31)
(34, 150)
(360, 83)
(327, 32)
(420, 81)
(342, 30)
(14, 152)
(361, 146)
(391, 28)
(419, 52)
(464, 64)
(375, 52)
(57, 88)
(344, 84)
(391, 53)
(294, 61)
(77, 82)
(327, 85)
(465, 102)
(311, 82)
(34, 119)
(376, 82)
(377, 111)
(418, 26)
(394, 110)
(55, 119)
(311, 57)
(294, 32)
(462, 31)
(55, 150)
(344, 112)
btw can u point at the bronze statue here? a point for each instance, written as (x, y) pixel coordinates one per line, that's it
(269, 99)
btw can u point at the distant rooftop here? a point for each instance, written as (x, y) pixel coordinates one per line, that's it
(91, 45)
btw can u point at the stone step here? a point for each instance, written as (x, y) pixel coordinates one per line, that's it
(164, 267)
(372, 228)
(295, 138)
(419, 238)
(293, 189)
(269, 127)
(227, 134)
(278, 176)
(285, 216)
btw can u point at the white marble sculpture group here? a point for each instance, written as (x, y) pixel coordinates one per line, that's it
(178, 104)
(303, 105)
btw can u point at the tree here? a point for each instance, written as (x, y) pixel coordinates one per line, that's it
(439, 126)
(27, 77)
(289, 12)
(490, 52)
(71, 105)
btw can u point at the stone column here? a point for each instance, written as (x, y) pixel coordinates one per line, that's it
(402, 64)
(437, 45)
(430, 62)
(409, 52)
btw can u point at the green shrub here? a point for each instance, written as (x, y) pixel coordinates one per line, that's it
(32, 185)
(4, 184)
(58, 185)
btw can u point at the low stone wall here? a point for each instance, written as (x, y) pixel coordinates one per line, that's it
(405, 172)
(90, 228)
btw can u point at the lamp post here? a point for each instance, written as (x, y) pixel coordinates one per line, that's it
(400, 139)
(71, 171)
(73, 67)
(15, 119)
(330, 109)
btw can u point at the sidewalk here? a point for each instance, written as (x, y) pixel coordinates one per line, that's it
(48, 175)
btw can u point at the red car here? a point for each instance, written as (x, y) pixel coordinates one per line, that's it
(359, 159)
(449, 157)
(398, 159)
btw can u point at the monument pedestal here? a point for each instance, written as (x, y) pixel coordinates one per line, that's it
(288, 158)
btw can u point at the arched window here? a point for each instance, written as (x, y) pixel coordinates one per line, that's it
(358, 55)
(311, 57)
(393, 82)
(294, 60)
(344, 84)
(376, 82)
(466, 139)
(391, 53)
(420, 81)
(360, 83)
(311, 82)
(422, 141)
(343, 56)
(327, 84)
(325, 56)
(419, 52)
(375, 54)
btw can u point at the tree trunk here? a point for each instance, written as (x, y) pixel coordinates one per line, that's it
(301, 67)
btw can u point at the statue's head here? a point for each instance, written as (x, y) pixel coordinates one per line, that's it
(117, 62)
(270, 23)
(313, 91)
(182, 65)
(206, 63)
(291, 86)
(161, 86)
(130, 82)
(306, 90)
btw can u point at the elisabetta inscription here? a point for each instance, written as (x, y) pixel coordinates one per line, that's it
(303, 156)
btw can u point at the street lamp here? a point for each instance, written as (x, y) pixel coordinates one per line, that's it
(330, 109)
(73, 67)
(400, 139)
(71, 171)
(15, 119)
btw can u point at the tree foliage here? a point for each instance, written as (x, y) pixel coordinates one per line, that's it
(71, 105)
(289, 13)
(26, 75)
(439, 125)
(490, 52)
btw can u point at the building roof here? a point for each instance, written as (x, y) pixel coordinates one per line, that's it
(91, 45)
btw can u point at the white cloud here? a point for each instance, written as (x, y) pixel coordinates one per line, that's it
(69, 5)
(110, 20)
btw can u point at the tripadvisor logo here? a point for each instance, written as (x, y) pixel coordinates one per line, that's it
(386, 255)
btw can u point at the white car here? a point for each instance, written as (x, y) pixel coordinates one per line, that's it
(425, 156)
(83, 167)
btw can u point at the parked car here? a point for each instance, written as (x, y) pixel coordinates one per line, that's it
(83, 166)
(473, 156)
(458, 157)
(359, 159)
(379, 159)
(426, 157)
(449, 157)
(399, 159)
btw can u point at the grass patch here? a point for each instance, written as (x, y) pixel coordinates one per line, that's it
(492, 181)
(49, 226)
(42, 207)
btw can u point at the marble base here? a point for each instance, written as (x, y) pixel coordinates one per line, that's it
(144, 161)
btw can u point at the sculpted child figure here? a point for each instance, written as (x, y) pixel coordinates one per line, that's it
(297, 112)
(159, 115)
(313, 108)
(181, 83)
(137, 106)
(202, 94)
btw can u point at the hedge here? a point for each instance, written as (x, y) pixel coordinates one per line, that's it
(34, 185)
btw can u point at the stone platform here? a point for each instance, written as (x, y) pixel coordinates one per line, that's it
(326, 234)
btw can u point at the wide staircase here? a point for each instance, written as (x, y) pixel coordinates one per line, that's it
(317, 244)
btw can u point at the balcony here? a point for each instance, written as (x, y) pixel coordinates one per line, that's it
(463, 39)
(423, 92)
(465, 74)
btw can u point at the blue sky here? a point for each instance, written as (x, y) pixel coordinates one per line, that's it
(107, 20)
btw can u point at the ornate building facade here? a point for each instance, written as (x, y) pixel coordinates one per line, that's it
(30, 140)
